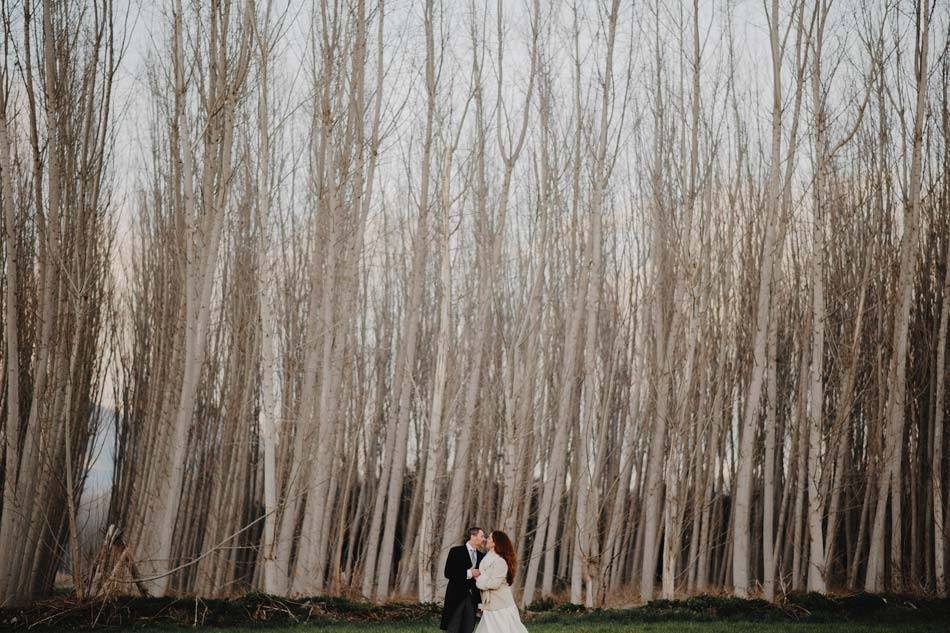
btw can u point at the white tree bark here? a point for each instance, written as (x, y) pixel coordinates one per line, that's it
(816, 391)
(889, 484)
(270, 411)
(428, 557)
(11, 432)
(407, 354)
(586, 517)
(939, 527)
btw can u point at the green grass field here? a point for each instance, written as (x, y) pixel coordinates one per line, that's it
(796, 613)
(581, 627)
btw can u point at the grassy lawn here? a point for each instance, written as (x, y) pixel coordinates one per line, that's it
(583, 627)
(253, 613)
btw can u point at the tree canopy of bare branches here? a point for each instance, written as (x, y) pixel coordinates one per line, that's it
(660, 289)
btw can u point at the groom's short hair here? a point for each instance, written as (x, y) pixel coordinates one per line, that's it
(472, 531)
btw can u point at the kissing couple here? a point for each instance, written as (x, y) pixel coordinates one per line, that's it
(481, 579)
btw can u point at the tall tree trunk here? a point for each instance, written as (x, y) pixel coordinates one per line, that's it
(586, 518)
(939, 527)
(889, 484)
(269, 412)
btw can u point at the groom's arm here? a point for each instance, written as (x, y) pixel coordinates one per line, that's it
(454, 570)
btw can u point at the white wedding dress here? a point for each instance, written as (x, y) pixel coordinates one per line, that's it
(499, 611)
(506, 620)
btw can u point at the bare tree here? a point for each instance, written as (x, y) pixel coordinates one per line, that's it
(890, 479)
(576, 275)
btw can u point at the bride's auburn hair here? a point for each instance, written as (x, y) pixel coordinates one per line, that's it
(506, 550)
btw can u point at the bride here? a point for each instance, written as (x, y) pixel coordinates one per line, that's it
(496, 573)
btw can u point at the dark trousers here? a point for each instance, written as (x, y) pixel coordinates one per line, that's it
(463, 618)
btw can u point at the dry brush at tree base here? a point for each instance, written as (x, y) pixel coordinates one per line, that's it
(262, 612)
(660, 289)
(569, 627)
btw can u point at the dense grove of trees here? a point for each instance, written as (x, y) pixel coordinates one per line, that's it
(662, 289)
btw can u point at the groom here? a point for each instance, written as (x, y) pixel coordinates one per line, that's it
(461, 594)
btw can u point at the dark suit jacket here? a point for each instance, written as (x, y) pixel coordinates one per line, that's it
(457, 564)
